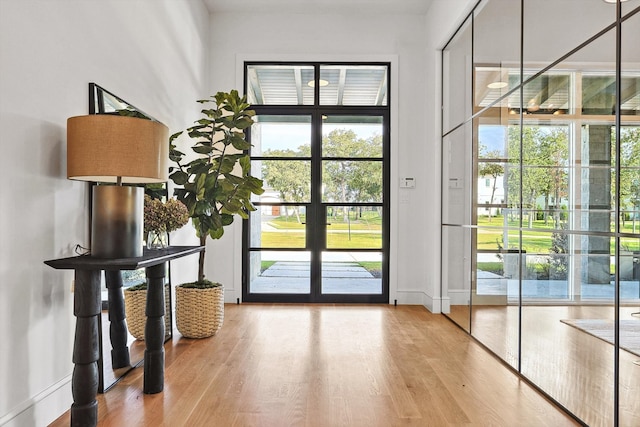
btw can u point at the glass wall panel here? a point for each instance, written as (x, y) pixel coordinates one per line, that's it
(278, 226)
(629, 361)
(494, 295)
(571, 338)
(537, 216)
(457, 176)
(629, 6)
(629, 181)
(280, 84)
(457, 81)
(580, 19)
(456, 274)
(354, 227)
(352, 273)
(353, 85)
(496, 50)
(283, 272)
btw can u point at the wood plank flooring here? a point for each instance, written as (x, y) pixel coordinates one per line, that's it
(330, 365)
(571, 366)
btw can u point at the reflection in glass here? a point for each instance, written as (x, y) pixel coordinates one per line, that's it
(353, 84)
(495, 291)
(548, 177)
(456, 274)
(352, 273)
(630, 178)
(278, 226)
(354, 227)
(282, 272)
(543, 47)
(629, 268)
(547, 94)
(352, 136)
(456, 86)
(351, 181)
(457, 176)
(496, 52)
(280, 84)
(281, 136)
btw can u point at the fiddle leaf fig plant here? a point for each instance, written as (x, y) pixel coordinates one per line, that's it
(217, 184)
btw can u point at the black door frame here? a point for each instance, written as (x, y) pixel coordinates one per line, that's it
(316, 208)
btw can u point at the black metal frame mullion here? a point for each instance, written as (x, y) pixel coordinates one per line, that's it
(316, 218)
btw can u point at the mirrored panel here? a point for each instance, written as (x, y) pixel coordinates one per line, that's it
(630, 178)
(457, 79)
(629, 261)
(496, 50)
(494, 294)
(456, 274)
(352, 272)
(279, 272)
(585, 19)
(565, 321)
(457, 176)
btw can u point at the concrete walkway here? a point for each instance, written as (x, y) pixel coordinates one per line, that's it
(293, 277)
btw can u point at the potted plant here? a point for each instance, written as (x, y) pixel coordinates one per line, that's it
(160, 218)
(215, 186)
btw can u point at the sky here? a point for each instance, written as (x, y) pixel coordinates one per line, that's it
(279, 136)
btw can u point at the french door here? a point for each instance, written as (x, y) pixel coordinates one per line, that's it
(321, 229)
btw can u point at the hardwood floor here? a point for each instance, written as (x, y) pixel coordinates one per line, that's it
(573, 367)
(330, 365)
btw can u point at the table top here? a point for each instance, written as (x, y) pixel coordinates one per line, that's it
(149, 258)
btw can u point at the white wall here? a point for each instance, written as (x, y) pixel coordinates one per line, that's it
(398, 38)
(154, 54)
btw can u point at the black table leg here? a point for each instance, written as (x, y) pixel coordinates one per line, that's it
(154, 330)
(87, 305)
(117, 323)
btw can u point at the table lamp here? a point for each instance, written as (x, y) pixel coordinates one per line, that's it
(106, 148)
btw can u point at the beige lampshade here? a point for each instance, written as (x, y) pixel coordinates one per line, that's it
(103, 147)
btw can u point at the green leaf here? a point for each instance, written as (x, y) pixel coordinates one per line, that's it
(226, 219)
(202, 149)
(179, 177)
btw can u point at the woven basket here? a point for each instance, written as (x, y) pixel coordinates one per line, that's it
(199, 312)
(134, 306)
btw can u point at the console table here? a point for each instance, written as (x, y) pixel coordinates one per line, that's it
(87, 307)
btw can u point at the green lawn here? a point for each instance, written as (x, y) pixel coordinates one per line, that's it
(296, 239)
(536, 240)
(366, 232)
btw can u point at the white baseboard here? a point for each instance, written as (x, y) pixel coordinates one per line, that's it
(458, 296)
(433, 304)
(43, 408)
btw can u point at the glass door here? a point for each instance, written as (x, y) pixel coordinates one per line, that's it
(320, 143)
(318, 233)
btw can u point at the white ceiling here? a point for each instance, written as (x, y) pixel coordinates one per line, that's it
(320, 6)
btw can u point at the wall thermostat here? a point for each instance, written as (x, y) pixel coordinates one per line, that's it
(407, 182)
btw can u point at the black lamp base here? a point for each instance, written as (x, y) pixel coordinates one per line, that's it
(117, 223)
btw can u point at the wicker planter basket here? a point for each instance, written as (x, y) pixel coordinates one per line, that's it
(134, 306)
(199, 312)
